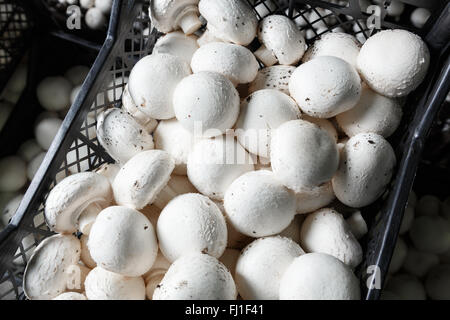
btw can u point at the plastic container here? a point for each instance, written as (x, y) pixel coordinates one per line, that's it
(125, 45)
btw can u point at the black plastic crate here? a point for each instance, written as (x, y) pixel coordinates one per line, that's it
(125, 45)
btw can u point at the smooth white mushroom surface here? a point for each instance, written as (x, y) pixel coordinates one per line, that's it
(357, 224)
(12, 174)
(141, 179)
(419, 17)
(191, 223)
(261, 265)
(122, 240)
(164, 72)
(303, 155)
(169, 15)
(393, 62)
(85, 256)
(46, 130)
(318, 276)
(177, 44)
(196, 277)
(366, 165)
(70, 296)
(102, 284)
(213, 164)
(325, 86)
(77, 74)
(95, 19)
(235, 62)
(325, 231)
(261, 113)
(275, 77)
(325, 124)
(10, 209)
(258, 205)
(206, 104)
(108, 170)
(121, 135)
(53, 93)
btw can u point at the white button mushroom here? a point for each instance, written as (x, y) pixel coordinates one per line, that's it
(122, 240)
(258, 205)
(394, 62)
(172, 137)
(230, 20)
(108, 170)
(309, 200)
(141, 179)
(430, 234)
(365, 169)
(177, 185)
(164, 72)
(325, 86)
(395, 9)
(191, 223)
(12, 174)
(68, 199)
(53, 93)
(34, 164)
(214, 164)
(104, 6)
(261, 113)
(177, 44)
(357, 224)
(196, 277)
(318, 276)
(85, 256)
(325, 124)
(46, 130)
(406, 287)
(408, 218)
(102, 284)
(437, 283)
(86, 4)
(77, 74)
(121, 136)
(428, 205)
(235, 62)
(129, 106)
(10, 209)
(336, 44)
(303, 156)
(169, 15)
(419, 263)
(87, 217)
(207, 100)
(373, 113)
(261, 265)
(94, 18)
(398, 256)
(419, 17)
(70, 296)
(74, 93)
(325, 231)
(45, 275)
(282, 41)
(275, 77)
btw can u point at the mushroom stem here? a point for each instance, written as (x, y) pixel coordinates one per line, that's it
(190, 23)
(266, 56)
(207, 37)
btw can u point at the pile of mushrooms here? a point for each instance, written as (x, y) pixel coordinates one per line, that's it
(255, 195)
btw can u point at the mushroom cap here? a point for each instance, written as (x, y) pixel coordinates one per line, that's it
(68, 199)
(309, 200)
(373, 113)
(235, 62)
(393, 62)
(108, 170)
(262, 112)
(130, 107)
(29, 149)
(102, 284)
(177, 185)
(430, 234)
(196, 276)
(274, 77)
(122, 240)
(12, 174)
(357, 224)
(230, 20)
(408, 218)
(207, 100)
(10, 209)
(45, 275)
(366, 166)
(283, 38)
(177, 44)
(77, 74)
(172, 137)
(325, 124)
(167, 14)
(191, 223)
(437, 283)
(325, 86)
(121, 135)
(46, 130)
(258, 205)
(85, 254)
(336, 44)
(70, 296)
(406, 287)
(214, 164)
(325, 231)
(164, 72)
(141, 179)
(94, 18)
(318, 276)
(419, 17)
(419, 263)
(303, 155)
(398, 256)
(261, 265)
(53, 93)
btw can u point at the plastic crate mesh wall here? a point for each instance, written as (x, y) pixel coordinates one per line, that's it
(85, 153)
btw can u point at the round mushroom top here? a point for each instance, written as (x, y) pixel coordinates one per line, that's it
(318, 276)
(196, 277)
(177, 44)
(261, 265)
(152, 82)
(335, 44)
(325, 86)
(303, 156)
(274, 77)
(166, 14)
(191, 223)
(283, 38)
(235, 62)
(13, 174)
(53, 93)
(230, 20)
(394, 62)
(70, 296)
